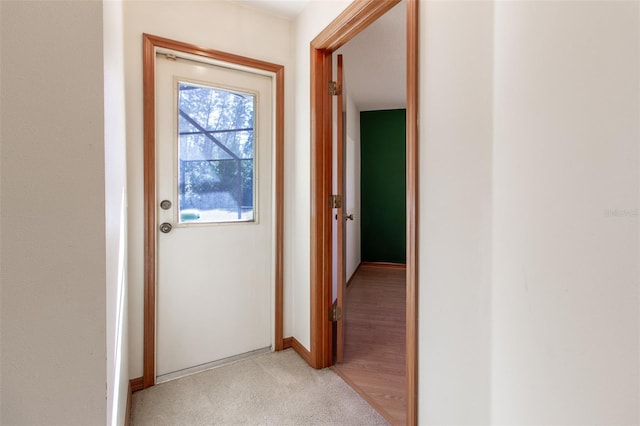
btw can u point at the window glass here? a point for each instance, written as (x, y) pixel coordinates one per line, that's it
(215, 154)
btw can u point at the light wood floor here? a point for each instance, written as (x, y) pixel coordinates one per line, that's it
(374, 352)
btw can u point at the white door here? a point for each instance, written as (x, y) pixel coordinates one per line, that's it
(215, 210)
(340, 217)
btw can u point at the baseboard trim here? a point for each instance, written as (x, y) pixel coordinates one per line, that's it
(292, 342)
(354, 274)
(384, 265)
(136, 384)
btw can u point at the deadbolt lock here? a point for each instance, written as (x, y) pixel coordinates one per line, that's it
(165, 205)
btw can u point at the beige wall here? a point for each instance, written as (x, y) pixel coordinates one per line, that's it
(115, 212)
(529, 185)
(455, 212)
(565, 273)
(530, 124)
(55, 278)
(218, 25)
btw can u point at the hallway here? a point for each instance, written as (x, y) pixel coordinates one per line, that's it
(374, 352)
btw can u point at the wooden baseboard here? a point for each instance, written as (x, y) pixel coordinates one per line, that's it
(384, 265)
(135, 385)
(354, 274)
(291, 342)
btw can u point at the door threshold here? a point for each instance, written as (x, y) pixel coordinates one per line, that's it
(211, 365)
(364, 395)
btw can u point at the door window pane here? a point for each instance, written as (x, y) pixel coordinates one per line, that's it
(215, 154)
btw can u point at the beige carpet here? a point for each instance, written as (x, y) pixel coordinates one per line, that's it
(270, 389)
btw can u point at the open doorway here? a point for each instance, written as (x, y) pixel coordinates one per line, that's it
(344, 28)
(369, 280)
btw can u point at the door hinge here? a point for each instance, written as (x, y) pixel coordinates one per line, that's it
(335, 88)
(335, 201)
(335, 313)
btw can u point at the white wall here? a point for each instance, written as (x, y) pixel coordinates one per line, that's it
(352, 176)
(313, 19)
(557, 188)
(115, 214)
(217, 25)
(455, 212)
(565, 270)
(53, 276)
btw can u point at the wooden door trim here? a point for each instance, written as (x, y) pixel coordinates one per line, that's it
(321, 163)
(412, 211)
(150, 44)
(357, 16)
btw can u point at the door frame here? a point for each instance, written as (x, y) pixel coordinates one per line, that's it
(150, 44)
(357, 16)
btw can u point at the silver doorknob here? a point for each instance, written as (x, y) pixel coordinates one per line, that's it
(165, 228)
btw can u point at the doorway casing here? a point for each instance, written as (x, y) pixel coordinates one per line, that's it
(150, 44)
(357, 16)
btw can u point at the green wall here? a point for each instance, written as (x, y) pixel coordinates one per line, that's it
(383, 186)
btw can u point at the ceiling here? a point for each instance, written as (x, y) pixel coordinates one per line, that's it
(374, 60)
(284, 8)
